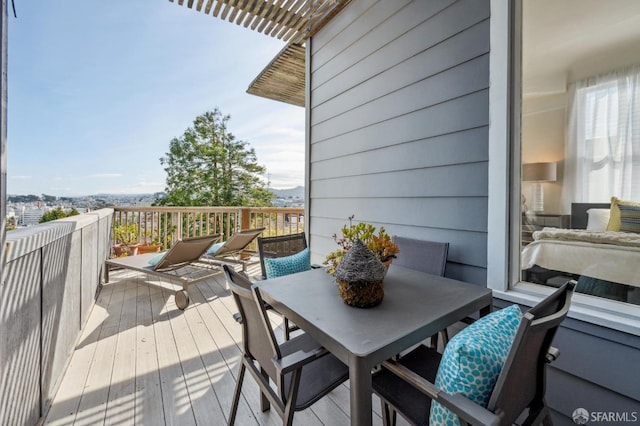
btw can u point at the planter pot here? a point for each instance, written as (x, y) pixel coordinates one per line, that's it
(386, 265)
(361, 295)
(121, 250)
(149, 248)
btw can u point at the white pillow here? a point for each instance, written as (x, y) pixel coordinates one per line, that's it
(598, 219)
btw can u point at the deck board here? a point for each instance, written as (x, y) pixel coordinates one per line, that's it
(142, 361)
(149, 407)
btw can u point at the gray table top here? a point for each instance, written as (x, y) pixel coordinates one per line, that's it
(415, 306)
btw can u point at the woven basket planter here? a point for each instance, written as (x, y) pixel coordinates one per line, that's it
(361, 294)
(360, 276)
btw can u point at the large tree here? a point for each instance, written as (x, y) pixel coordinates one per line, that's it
(208, 166)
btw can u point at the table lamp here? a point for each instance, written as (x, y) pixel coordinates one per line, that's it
(539, 173)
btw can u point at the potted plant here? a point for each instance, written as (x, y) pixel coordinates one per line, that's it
(151, 243)
(125, 237)
(380, 244)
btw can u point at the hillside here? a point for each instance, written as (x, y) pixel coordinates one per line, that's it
(297, 192)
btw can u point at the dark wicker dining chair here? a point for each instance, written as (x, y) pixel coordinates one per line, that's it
(301, 370)
(281, 246)
(407, 386)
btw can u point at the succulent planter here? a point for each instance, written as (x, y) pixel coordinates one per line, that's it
(360, 276)
(361, 294)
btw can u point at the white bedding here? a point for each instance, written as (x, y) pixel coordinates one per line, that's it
(628, 239)
(609, 262)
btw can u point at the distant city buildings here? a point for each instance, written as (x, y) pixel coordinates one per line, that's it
(293, 197)
(27, 210)
(288, 202)
(30, 215)
(27, 213)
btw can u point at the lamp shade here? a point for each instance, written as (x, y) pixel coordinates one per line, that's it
(539, 172)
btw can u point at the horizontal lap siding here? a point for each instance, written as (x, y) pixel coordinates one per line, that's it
(399, 125)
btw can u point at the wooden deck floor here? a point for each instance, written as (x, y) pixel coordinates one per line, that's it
(142, 361)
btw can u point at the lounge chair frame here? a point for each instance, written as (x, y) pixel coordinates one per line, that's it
(233, 249)
(182, 263)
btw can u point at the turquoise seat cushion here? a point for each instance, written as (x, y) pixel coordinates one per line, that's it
(473, 359)
(157, 258)
(280, 266)
(214, 248)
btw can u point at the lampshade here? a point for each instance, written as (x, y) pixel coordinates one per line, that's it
(539, 172)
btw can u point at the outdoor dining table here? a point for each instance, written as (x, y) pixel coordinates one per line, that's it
(416, 306)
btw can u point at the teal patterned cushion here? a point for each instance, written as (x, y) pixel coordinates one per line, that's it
(279, 266)
(629, 218)
(473, 359)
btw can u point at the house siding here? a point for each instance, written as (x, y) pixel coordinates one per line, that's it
(398, 125)
(398, 135)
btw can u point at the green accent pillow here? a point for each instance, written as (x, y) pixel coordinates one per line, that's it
(280, 266)
(473, 359)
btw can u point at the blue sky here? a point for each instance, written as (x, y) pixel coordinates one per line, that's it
(98, 89)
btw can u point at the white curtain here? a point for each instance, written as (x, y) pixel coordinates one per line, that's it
(602, 156)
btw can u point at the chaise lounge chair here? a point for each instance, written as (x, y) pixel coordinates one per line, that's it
(231, 250)
(182, 263)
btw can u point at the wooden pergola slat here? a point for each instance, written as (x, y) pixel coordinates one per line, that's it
(289, 20)
(292, 21)
(284, 78)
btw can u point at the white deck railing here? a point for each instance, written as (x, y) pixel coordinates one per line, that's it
(167, 224)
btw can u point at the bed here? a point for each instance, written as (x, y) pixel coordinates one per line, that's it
(606, 264)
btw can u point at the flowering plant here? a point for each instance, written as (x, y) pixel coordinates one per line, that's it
(380, 244)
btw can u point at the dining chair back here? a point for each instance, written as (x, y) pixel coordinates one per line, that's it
(406, 386)
(521, 383)
(422, 255)
(280, 246)
(301, 370)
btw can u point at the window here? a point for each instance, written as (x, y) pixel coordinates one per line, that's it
(511, 110)
(604, 137)
(579, 146)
